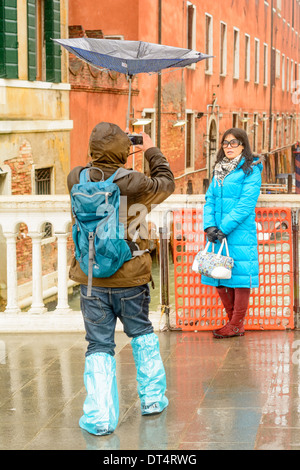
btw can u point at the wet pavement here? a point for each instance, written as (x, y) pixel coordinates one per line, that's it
(233, 394)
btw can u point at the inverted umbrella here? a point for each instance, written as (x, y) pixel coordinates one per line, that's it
(130, 57)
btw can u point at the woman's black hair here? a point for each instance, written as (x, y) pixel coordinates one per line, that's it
(240, 135)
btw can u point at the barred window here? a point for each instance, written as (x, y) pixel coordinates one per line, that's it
(43, 181)
(43, 186)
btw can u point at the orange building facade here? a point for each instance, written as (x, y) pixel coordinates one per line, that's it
(252, 81)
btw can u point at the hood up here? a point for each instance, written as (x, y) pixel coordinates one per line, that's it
(258, 159)
(108, 146)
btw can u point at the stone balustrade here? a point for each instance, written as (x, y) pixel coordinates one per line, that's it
(35, 211)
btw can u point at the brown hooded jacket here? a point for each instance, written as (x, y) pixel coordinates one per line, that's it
(109, 148)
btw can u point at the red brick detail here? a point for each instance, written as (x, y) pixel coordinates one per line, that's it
(21, 168)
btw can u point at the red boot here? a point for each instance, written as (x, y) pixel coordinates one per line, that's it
(235, 327)
(227, 297)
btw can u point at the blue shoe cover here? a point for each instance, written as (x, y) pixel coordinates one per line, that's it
(151, 376)
(101, 406)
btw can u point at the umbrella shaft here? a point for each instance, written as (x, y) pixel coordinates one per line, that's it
(128, 106)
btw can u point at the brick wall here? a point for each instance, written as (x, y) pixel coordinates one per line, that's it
(21, 170)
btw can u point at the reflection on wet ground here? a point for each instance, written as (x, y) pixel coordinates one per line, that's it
(238, 393)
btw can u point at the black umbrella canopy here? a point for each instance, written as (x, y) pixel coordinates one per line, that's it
(130, 57)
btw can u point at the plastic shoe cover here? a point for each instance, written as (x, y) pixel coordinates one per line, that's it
(151, 374)
(101, 406)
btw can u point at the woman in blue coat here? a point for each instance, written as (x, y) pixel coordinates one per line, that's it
(229, 212)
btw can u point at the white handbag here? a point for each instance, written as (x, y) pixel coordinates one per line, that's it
(213, 264)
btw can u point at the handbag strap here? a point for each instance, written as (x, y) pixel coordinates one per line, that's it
(224, 242)
(207, 246)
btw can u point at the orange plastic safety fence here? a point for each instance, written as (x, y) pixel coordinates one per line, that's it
(198, 306)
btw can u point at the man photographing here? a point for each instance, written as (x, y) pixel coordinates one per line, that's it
(125, 294)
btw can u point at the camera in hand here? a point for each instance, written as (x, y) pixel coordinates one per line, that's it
(136, 139)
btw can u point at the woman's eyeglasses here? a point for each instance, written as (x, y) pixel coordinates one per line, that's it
(233, 143)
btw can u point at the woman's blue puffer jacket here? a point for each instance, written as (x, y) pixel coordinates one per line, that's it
(231, 207)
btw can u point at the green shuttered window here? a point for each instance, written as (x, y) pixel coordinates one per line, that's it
(31, 39)
(43, 25)
(42, 16)
(8, 39)
(52, 31)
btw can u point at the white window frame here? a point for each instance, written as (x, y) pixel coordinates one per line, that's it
(152, 133)
(209, 44)
(287, 74)
(264, 140)
(151, 111)
(288, 127)
(266, 70)
(247, 58)
(236, 54)
(223, 49)
(256, 60)
(271, 123)
(277, 63)
(194, 29)
(255, 133)
(192, 136)
(235, 117)
(278, 126)
(292, 76)
(283, 72)
(283, 134)
(245, 122)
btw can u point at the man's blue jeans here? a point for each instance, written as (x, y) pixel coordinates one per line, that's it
(106, 304)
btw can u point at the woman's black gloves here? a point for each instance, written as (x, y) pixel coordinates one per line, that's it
(220, 235)
(213, 234)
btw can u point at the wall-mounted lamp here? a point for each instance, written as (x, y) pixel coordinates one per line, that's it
(141, 122)
(179, 123)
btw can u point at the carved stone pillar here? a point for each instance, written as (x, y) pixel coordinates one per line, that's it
(12, 281)
(62, 280)
(37, 305)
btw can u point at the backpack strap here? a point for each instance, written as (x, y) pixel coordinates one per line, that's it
(121, 172)
(139, 253)
(136, 253)
(85, 174)
(91, 261)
